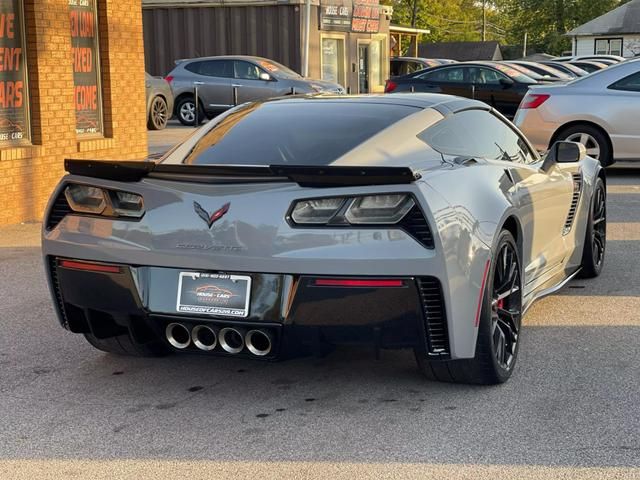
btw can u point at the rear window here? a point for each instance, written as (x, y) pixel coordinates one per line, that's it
(306, 132)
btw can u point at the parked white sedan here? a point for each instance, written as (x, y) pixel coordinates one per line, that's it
(601, 111)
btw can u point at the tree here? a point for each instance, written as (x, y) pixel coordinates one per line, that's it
(545, 21)
(448, 20)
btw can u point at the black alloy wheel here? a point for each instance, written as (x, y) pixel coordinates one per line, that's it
(506, 306)
(500, 322)
(595, 242)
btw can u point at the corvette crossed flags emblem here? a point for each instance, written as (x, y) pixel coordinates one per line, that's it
(212, 218)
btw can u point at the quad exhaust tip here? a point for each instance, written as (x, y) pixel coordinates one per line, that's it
(258, 342)
(204, 337)
(178, 335)
(231, 340)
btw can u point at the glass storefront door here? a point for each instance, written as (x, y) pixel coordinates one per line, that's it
(363, 68)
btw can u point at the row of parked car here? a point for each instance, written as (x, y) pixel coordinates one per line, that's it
(548, 100)
(594, 100)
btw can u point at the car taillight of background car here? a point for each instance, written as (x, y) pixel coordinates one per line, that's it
(534, 100)
(390, 86)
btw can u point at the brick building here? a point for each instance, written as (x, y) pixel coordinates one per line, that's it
(72, 85)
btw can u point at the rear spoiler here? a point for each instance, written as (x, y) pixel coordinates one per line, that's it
(303, 175)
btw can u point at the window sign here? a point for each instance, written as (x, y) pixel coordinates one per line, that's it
(366, 16)
(333, 60)
(351, 16)
(14, 104)
(86, 66)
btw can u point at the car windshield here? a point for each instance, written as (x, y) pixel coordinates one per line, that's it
(289, 133)
(513, 73)
(278, 69)
(526, 71)
(554, 72)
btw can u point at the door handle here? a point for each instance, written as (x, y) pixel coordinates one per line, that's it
(198, 83)
(235, 85)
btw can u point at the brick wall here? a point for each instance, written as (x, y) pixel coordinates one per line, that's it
(29, 174)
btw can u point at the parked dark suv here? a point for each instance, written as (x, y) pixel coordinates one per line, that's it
(230, 80)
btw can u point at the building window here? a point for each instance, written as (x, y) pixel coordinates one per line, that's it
(608, 46)
(14, 94)
(333, 59)
(86, 66)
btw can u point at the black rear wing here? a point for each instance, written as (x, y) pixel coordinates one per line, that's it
(303, 175)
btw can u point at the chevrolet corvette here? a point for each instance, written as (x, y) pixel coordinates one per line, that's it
(284, 227)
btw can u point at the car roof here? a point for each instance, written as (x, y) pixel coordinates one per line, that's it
(227, 57)
(439, 101)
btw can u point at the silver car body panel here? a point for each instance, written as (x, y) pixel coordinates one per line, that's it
(465, 205)
(588, 100)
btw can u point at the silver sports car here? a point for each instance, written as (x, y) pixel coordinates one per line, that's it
(287, 226)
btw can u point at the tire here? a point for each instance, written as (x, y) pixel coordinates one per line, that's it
(185, 112)
(499, 327)
(123, 345)
(158, 114)
(595, 241)
(592, 138)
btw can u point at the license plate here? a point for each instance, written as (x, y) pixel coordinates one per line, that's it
(214, 294)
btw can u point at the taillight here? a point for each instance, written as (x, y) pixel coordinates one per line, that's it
(386, 209)
(390, 86)
(100, 201)
(89, 266)
(169, 79)
(534, 100)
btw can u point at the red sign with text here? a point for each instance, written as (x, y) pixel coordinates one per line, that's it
(86, 67)
(14, 108)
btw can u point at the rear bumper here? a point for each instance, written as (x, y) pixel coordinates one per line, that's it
(302, 316)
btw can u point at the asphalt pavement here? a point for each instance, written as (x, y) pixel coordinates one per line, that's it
(571, 409)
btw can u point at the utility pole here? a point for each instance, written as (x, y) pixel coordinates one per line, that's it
(524, 45)
(484, 20)
(413, 46)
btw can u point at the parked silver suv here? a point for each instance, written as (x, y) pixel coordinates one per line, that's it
(230, 80)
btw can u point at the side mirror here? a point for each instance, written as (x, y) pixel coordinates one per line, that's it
(506, 82)
(265, 76)
(564, 152)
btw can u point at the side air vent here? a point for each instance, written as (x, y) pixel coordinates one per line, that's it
(59, 210)
(435, 317)
(577, 189)
(416, 225)
(53, 270)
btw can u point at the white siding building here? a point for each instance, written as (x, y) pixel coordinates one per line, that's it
(614, 33)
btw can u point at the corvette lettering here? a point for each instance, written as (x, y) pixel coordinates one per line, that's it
(215, 248)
